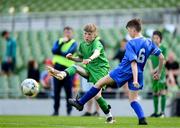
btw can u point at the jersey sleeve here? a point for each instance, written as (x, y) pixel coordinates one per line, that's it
(97, 45)
(130, 52)
(164, 51)
(155, 50)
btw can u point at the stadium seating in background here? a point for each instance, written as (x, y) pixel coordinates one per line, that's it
(3, 87)
(62, 5)
(14, 86)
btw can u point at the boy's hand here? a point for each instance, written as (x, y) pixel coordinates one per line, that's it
(86, 61)
(156, 75)
(136, 84)
(69, 56)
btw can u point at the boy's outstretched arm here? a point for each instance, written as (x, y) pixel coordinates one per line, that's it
(76, 59)
(95, 55)
(135, 73)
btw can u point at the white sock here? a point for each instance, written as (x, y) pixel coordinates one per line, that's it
(109, 115)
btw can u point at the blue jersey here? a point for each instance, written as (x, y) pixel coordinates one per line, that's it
(138, 49)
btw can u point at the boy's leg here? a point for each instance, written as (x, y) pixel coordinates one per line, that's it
(105, 107)
(102, 103)
(155, 88)
(91, 93)
(163, 102)
(137, 107)
(69, 71)
(156, 104)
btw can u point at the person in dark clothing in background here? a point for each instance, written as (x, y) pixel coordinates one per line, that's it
(33, 70)
(60, 49)
(9, 57)
(120, 53)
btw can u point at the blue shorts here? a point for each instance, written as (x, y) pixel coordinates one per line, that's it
(121, 78)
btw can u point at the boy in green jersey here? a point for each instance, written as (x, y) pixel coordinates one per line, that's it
(92, 55)
(159, 86)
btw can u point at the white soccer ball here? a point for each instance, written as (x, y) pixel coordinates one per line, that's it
(29, 87)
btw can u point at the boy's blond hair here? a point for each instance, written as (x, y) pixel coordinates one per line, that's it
(91, 28)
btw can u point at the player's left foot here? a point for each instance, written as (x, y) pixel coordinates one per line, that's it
(161, 115)
(110, 120)
(109, 117)
(142, 121)
(75, 103)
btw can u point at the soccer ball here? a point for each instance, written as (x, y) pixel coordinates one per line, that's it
(29, 87)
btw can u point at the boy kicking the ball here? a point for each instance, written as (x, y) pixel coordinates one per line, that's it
(92, 55)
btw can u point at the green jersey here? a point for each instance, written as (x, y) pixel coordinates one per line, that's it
(160, 84)
(155, 62)
(98, 67)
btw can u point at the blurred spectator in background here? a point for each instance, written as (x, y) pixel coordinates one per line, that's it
(172, 70)
(60, 49)
(33, 70)
(9, 58)
(46, 79)
(120, 53)
(159, 87)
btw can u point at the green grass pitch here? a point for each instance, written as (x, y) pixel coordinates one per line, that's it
(83, 122)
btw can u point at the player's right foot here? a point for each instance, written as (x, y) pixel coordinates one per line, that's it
(142, 121)
(75, 103)
(154, 115)
(60, 75)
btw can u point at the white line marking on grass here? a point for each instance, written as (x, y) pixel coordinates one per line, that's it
(38, 124)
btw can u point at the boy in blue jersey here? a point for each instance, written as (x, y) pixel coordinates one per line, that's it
(129, 70)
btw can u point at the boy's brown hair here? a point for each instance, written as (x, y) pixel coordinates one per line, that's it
(158, 33)
(91, 28)
(134, 23)
(68, 28)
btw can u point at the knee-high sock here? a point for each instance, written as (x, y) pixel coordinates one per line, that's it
(163, 103)
(156, 103)
(138, 110)
(103, 105)
(88, 95)
(71, 70)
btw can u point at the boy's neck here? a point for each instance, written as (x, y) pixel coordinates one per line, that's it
(158, 44)
(137, 35)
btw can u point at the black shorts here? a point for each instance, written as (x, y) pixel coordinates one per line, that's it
(6, 67)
